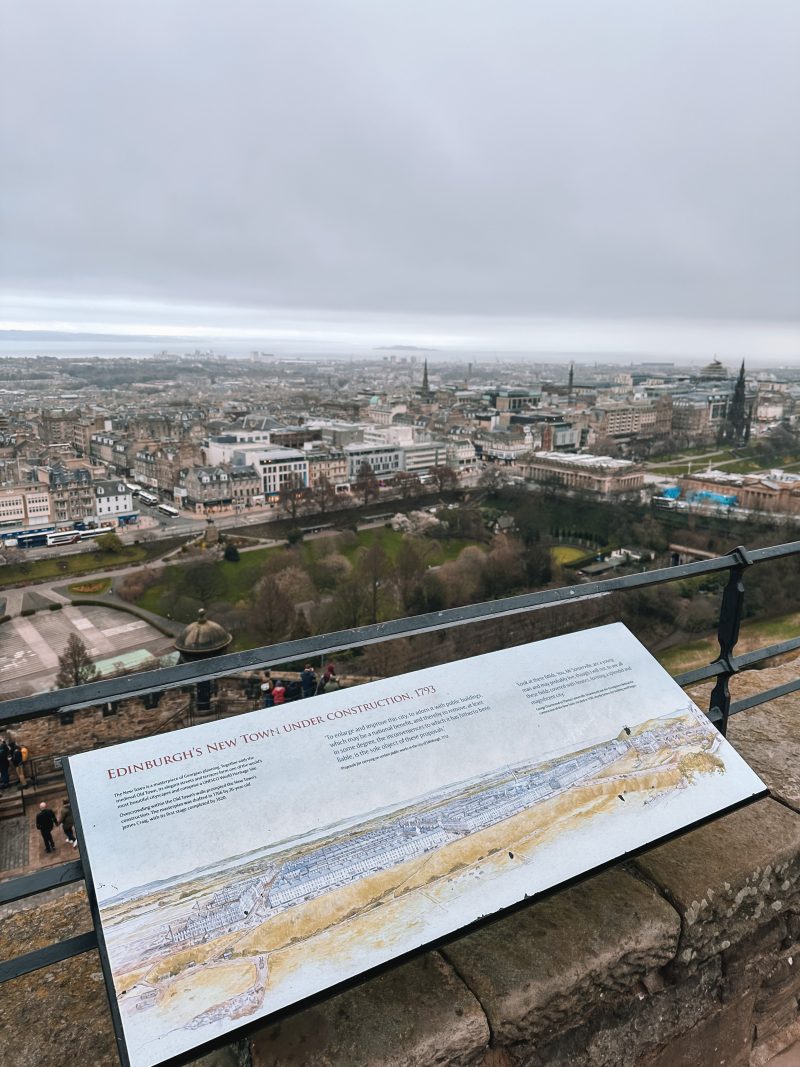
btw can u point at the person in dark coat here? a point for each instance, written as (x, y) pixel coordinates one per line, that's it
(293, 691)
(5, 760)
(308, 680)
(68, 822)
(18, 762)
(45, 822)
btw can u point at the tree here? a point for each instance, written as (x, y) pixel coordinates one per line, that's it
(324, 494)
(10, 555)
(372, 570)
(408, 484)
(203, 582)
(75, 665)
(409, 567)
(271, 614)
(292, 494)
(493, 478)
(366, 483)
(109, 542)
(444, 477)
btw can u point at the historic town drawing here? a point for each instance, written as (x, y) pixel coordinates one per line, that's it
(236, 940)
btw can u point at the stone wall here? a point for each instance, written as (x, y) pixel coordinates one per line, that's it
(685, 957)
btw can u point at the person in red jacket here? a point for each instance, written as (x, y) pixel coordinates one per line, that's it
(278, 692)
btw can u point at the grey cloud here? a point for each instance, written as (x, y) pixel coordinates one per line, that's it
(508, 158)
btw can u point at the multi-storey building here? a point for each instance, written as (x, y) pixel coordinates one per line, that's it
(325, 462)
(25, 505)
(204, 488)
(113, 500)
(275, 466)
(246, 486)
(777, 491)
(385, 460)
(589, 474)
(71, 491)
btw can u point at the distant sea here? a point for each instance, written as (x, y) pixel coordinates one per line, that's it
(88, 346)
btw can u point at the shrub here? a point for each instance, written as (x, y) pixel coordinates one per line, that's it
(28, 611)
(231, 553)
(4, 618)
(54, 607)
(294, 536)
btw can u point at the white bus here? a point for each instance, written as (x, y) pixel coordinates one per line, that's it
(148, 498)
(64, 537)
(133, 488)
(166, 509)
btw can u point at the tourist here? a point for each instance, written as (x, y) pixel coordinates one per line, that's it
(5, 762)
(18, 760)
(45, 821)
(308, 680)
(278, 692)
(68, 822)
(267, 686)
(293, 691)
(328, 679)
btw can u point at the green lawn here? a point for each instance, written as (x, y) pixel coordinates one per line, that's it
(567, 553)
(238, 579)
(83, 563)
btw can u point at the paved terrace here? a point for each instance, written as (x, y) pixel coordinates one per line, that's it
(685, 957)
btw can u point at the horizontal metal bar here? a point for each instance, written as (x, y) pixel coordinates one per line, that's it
(271, 655)
(740, 663)
(700, 674)
(765, 696)
(759, 555)
(757, 655)
(29, 885)
(46, 957)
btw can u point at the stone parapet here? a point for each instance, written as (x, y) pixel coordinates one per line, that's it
(684, 957)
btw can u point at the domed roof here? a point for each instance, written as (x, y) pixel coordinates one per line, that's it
(202, 637)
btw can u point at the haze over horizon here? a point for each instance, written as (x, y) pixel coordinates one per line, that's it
(554, 179)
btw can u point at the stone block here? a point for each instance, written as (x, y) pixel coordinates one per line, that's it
(729, 877)
(767, 736)
(418, 1015)
(546, 968)
(723, 1039)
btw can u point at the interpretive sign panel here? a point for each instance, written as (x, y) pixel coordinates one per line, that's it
(239, 867)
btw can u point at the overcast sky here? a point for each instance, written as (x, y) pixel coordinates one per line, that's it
(405, 170)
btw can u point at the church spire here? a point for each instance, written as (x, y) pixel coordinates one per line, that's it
(426, 389)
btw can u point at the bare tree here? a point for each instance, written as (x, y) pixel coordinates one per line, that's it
(292, 495)
(444, 477)
(493, 478)
(75, 665)
(373, 570)
(203, 582)
(323, 494)
(366, 483)
(408, 484)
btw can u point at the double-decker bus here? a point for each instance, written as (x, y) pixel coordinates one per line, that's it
(167, 509)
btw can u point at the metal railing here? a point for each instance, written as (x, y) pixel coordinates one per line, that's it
(722, 668)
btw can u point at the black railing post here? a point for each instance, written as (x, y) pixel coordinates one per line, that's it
(730, 618)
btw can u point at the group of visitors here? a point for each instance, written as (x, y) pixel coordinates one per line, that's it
(12, 759)
(276, 691)
(46, 822)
